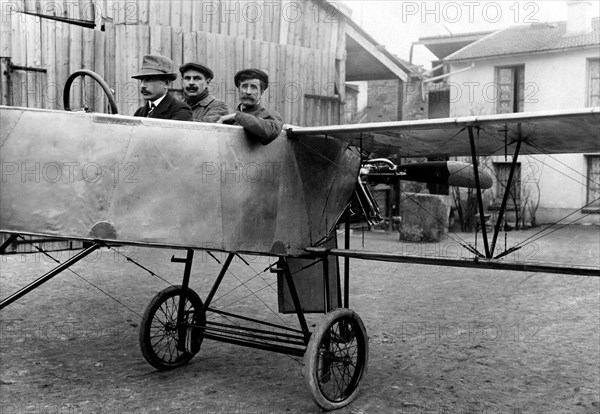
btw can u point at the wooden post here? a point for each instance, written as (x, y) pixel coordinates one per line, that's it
(340, 68)
(99, 46)
(5, 82)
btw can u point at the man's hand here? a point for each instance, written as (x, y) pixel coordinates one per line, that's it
(227, 119)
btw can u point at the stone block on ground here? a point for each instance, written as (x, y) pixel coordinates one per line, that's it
(424, 217)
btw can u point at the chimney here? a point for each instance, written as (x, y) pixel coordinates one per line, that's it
(579, 17)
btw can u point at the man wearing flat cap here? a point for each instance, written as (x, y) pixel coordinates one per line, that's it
(263, 124)
(155, 77)
(195, 79)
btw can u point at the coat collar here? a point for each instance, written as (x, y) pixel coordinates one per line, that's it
(162, 106)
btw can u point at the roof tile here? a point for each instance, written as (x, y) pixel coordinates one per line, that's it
(537, 37)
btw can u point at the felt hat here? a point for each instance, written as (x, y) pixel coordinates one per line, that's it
(156, 65)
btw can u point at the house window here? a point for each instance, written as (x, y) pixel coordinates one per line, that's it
(511, 89)
(593, 82)
(502, 170)
(593, 184)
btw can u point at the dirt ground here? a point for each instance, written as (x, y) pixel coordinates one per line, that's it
(442, 340)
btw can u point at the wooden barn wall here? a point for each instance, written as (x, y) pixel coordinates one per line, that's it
(296, 42)
(311, 24)
(58, 48)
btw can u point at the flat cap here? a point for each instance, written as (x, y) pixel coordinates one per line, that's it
(251, 73)
(205, 70)
(156, 65)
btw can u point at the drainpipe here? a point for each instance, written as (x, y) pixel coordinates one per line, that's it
(445, 75)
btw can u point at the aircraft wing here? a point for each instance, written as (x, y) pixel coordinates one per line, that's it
(565, 131)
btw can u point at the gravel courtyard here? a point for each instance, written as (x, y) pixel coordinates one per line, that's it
(442, 340)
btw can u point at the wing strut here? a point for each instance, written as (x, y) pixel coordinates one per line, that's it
(479, 196)
(182, 298)
(505, 196)
(8, 242)
(43, 279)
(489, 251)
(435, 261)
(347, 259)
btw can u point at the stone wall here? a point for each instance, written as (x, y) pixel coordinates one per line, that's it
(382, 102)
(392, 100)
(415, 105)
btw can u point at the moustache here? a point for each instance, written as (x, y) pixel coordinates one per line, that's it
(191, 88)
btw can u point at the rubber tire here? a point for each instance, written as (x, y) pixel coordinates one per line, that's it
(149, 350)
(314, 359)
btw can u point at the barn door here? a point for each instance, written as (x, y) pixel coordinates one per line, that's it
(22, 85)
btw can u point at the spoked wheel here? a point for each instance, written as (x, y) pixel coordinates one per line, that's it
(85, 72)
(336, 359)
(164, 344)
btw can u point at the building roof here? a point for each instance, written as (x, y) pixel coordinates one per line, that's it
(527, 39)
(368, 60)
(444, 45)
(365, 58)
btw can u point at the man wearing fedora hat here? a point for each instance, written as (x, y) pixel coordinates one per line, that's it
(263, 124)
(155, 76)
(194, 80)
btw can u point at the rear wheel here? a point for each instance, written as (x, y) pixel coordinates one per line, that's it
(336, 359)
(164, 344)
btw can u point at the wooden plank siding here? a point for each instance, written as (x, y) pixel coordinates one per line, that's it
(295, 42)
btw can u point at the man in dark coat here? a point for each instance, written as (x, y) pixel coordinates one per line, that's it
(195, 79)
(263, 124)
(155, 76)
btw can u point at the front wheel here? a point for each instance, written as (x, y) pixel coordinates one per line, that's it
(336, 359)
(164, 343)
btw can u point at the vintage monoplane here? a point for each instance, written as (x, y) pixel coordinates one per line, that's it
(194, 186)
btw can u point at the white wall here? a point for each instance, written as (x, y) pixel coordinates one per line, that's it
(552, 81)
(362, 97)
